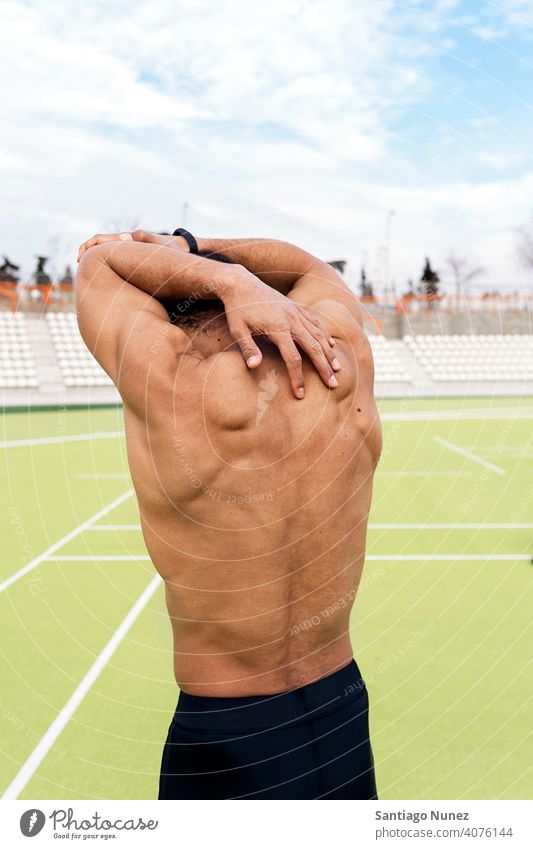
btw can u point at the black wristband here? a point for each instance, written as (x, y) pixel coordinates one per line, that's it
(189, 238)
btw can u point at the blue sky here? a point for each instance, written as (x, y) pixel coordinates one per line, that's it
(294, 120)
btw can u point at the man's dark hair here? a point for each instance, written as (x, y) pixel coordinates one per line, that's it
(194, 312)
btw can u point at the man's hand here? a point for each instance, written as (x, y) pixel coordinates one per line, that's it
(253, 308)
(100, 238)
(136, 236)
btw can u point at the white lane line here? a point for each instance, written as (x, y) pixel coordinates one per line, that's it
(105, 476)
(470, 526)
(384, 526)
(506, 449)
(522, 455)
(518, 413)
(408, 557)
(430, 473)
(54, 730)
(469, 455)
(50, 440)
(67, 538)
(91, 558)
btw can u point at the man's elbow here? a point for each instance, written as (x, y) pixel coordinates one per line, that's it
(89, 273)
(91, 263)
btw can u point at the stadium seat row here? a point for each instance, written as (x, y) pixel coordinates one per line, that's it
(77, 365)
(387, 366)
(443, 358)
(485, 357)
(17, 366)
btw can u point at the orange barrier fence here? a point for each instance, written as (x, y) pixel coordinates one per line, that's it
(24, 296)
(9, 294)
(514, 302)
(27, 295)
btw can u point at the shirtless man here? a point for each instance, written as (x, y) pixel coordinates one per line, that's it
(254, 498)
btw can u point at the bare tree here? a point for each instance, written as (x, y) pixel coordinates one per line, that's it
(54, 249)
(462, 270)
(121, 225)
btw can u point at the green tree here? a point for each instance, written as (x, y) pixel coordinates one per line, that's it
(367, 290)
(429, 281)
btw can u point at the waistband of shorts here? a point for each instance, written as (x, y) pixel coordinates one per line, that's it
(293, 707)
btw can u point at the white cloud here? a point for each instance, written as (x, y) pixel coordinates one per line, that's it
(519, 11)
(442, 6)
(501, 161)
(268, 119)
(490, 33)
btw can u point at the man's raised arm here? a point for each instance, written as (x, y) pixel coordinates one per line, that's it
(251, 306)
(287, 268)
(279, 264)
(283, 266)
(305, 278)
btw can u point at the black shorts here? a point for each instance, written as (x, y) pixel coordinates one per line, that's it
(310, 743)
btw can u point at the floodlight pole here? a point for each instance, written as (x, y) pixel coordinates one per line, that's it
(387, 240)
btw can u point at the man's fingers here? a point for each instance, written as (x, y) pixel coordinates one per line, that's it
(103, 237)
(249, 350)
(136, 236)
(285, 342)
(316, 321)
(251, 353)
(85, 245)
(314, 351)
(152, 238)
(318, 335)
(96, 240)
(310, 317)
(159, 239)
(292, 359)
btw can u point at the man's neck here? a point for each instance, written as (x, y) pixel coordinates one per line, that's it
(213, 338)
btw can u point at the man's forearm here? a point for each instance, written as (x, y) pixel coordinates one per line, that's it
(279, 264)
(166, 273)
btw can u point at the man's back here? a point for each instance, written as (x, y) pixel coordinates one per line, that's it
(254, 500)
(254, 509)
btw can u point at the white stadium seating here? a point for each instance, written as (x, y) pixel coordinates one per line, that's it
(46, 355)
(77, 365)
(17, 366)
(387, 366)
(474, 358)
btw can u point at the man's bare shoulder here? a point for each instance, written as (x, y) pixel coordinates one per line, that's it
(338, 320)
(343, 325)
(151, 357)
